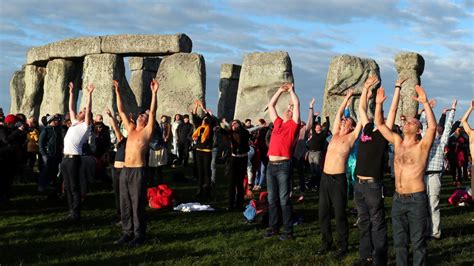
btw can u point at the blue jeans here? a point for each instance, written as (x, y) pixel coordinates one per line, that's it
(372, 224)
(261, 179)
(409, 223)
(278, 184)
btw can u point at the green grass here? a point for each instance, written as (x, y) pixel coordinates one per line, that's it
(33, 231)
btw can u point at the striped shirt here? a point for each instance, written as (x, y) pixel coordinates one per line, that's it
(436, 157)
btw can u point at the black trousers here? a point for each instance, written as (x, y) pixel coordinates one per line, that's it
(133, 201)
(333, 194)
(116, 186)
(372, 224)
(236, 169)
(203, 164)
(70, 169)
(183, 153)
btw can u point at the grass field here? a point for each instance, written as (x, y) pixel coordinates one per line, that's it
(33, 231)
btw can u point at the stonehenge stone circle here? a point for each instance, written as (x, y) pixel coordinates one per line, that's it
(101, 70)
(34, 79)
(409, 65)
(261, 75)
(228, 85)
(17, 90)
(182, 79)
(347, 72)
(143, 71)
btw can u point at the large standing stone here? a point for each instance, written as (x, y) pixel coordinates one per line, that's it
(69, 48)
(411, 66)
(34, 79)
(347, 72)
(17, 90)
(143, 71)
(182, 79)
(228, 85)
(101, 70)
(146, 44)
(260, 77)
(56, 93)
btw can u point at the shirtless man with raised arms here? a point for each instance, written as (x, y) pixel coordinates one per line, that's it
(410, 204)
(333, 186)
(132, 178)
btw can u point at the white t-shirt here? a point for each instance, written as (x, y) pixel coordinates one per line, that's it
(75, 137)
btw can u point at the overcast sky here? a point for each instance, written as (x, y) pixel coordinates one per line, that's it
(312, 32)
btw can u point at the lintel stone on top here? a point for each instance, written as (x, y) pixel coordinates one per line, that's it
(124, 44)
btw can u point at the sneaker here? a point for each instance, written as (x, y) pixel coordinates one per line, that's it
(72, 218)
(271, 232)
(136, 242)
(356, 224)
(286, 236)
(340, 253)
(123, 240)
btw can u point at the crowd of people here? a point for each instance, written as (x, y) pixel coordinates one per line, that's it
(339, 159)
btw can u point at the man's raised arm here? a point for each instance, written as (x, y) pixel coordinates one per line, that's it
(464, 119)
(392, 113)
(296, 103)
(151, 117)
(430, 134)
(387, 133)
(118, 98)
(340, 111)
(364, 98)
(271, 105)
(310, 121)
(90, 88)
(72, 109)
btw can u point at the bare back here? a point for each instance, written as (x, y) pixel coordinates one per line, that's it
(336, 156)
(471, 145)
(137, 147)
(409, 166)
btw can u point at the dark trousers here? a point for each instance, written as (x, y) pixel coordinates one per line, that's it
(372, 224)
(278, 186)
(6, 179)
(314, 160)
(236, 169)
(116, 186)
(133, 201)
(183, 153)
(70, 170)
(333, 193)
(50, 171)
(203, 163)
(409, 224)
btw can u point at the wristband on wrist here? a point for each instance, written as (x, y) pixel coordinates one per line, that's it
(398, 86)
(311, 107)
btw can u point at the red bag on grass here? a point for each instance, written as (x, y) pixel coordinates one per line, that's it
(160, 197)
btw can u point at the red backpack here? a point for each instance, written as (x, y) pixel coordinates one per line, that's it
(160, 197)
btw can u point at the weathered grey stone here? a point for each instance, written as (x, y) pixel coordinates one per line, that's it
(411, 66)
(34, 79)
(17, 90)
(101, 70)
(347, 72)
(38, 55)
(146, 44)
(143, 71)
(144, 63)
(182, 79)
(228, 85)
(56, 93)
(260, 77)
(69, 48)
